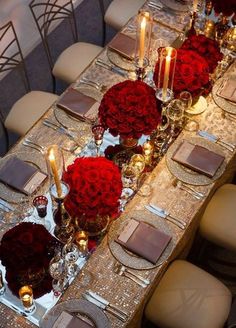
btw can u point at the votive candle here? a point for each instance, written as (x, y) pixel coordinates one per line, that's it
(138, 162)
(27, 299)
(81, 239)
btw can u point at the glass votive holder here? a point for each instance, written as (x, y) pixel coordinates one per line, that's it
(148, 150)
(40, 203)
(81, 240)
(2, 286)
(138, 161)
(27, 299)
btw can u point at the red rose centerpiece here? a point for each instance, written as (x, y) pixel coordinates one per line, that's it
(26, 251)
(207, 48)
(129, 109)
(191, 73)
(95, 189)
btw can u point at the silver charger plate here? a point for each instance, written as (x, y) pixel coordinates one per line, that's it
(176, 5)
(187, 175)
(74, 306)
(71, 122)
(223, 103)
(34, 158)
(126, 257)
(120, 61)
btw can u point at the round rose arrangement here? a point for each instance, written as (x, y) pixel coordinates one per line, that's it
(191, 73)
(95, 188)
(26, 251)
(207, 48)
(129, 109)
(227, 8)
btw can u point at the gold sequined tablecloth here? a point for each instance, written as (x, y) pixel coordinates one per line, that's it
(117, 289)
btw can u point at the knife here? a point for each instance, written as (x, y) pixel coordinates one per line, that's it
(58, 128)
(216, 139)
(106, 303)
(159, 209)
(111, 68)
(102, 306)
(162, 215)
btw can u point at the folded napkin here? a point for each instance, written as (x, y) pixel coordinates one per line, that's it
(198, 158)
(124, 45)
(21, 175)
(227, 90)
(66, 320)
(144, 240)
(79, 105)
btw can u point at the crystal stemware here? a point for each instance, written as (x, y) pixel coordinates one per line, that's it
(98, 132)
(175, 112)
(70, 253)
(186, 99)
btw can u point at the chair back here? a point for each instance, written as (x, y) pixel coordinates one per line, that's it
(47, 13)
(11, 54)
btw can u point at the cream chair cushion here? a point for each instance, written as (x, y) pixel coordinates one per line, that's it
(27, 110)
(218, 223)
(188, 297)
(73, 60)
(120, 11)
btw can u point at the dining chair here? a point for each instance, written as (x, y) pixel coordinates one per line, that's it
(118, 13)
(30, 107)
(74, 59)
(188, 297)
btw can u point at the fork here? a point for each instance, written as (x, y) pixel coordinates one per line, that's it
(94, 84)
(122, 272)
(29, 143)
(198, 195)
(119, 266)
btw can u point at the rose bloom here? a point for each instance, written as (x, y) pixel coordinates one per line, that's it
(207, 48)
(227, 7)
(130, 109)
(191, 73)
(95, 187)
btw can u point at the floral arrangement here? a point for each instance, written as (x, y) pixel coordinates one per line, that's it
(227, 8)
(129, 109)
(191, 73)
(95, 188)
(207, 48)
(26, 251)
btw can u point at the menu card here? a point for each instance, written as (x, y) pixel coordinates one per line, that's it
(144, 240)
(21, 175)
(124, 45)
(79, 105)
(228, 90)
(66, 320)
(198, 158)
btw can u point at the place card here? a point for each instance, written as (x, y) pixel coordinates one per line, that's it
(124, 45)
(79, 105)
(21, 175)
(198, 158)
(228, 90)
(66, 320)
(144, 240)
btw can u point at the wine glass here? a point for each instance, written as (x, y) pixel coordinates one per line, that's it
(57, 270)
(70, 253)
(98, 132)
(175, 113)
(186, 99)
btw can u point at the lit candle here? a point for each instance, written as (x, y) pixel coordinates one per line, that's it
(53, 165)
(81, 239)
(142, 41)
(26, 296)
(195, 3)
(138, 161)
(148, 150)
(166, 73)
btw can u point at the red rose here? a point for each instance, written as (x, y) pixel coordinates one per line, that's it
(227, 8)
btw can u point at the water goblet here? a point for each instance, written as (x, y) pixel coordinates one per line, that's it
(70, 253)
(186, 99)
(175, 112)
(98, 131)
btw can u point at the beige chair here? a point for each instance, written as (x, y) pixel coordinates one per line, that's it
(74, 59)
(119, 12)
(29, 108)
(218, 224)
(188, 297)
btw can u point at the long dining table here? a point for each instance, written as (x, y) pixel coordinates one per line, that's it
(119, 290)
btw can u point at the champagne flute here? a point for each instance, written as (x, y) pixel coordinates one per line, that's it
(186, 99)
(98, 132)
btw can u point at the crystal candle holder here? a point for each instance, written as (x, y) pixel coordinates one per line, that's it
(166, 74)
(81, 240)
(27, 299)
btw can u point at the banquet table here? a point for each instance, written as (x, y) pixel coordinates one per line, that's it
(117, 289)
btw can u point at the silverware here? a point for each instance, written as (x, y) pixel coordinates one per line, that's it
(190, 190)
(215, 139)
(31, 144)
(5, 206)
(117, 70)
(154, 5)
(100, 87)
(122, 272)
(153, 209)
(119, 266)
(89, 298)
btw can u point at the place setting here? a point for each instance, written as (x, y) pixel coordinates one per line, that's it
(224, 95)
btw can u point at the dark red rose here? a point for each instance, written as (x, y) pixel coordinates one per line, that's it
(227, 8)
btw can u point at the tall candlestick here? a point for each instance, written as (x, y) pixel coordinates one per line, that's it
(53, 165)
(142, 41)
(166, 73)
